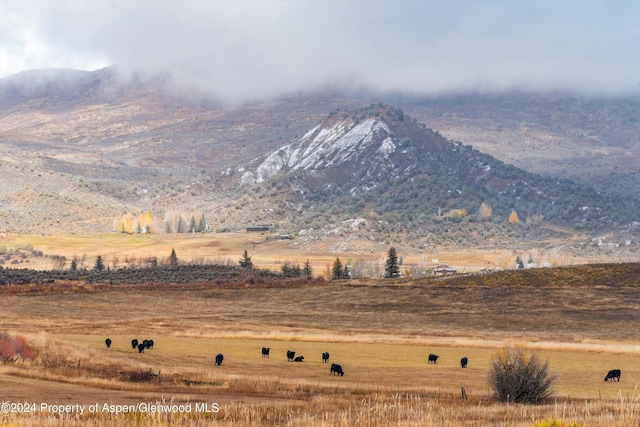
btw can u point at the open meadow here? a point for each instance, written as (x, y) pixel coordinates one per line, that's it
(380, 332)
(268, 251)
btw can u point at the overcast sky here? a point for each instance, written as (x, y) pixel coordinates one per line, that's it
(239, 49)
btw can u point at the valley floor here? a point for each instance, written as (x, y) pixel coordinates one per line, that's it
(380, 333)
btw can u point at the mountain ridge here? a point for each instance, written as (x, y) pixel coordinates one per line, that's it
(106, 147)
(376, 149)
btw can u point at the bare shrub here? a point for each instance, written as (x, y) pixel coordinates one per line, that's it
(58, 262)
(519, 376)
(140, 376)
(14, 347)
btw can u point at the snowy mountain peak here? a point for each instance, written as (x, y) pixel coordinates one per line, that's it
(348, 140)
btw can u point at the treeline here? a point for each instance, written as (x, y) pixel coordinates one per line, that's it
(150, 271)
(174, 221)
(161, 274)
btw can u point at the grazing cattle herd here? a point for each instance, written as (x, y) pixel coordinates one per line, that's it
(613, 374)
(140, 346)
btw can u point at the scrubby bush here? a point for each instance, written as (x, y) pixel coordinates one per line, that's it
(519, 376)
(13, 347)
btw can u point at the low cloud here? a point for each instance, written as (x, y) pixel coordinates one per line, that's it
(248, 49)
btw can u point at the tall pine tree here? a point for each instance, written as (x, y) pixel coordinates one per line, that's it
(202, 225)
(337, 272)
(173, 258)
(391, 267)
(245, 261)
(99, 265)
(307, 270)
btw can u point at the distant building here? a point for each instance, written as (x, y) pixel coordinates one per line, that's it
(258, 228)
(443, 269)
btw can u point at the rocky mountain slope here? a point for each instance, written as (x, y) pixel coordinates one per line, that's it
(381, 166)
(81, 149)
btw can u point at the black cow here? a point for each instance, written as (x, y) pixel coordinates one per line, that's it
(433, 358)
(265, 351)
(148, 343)
(219, 358)
(108, 342)
(134, 343)
(290, 355)
(141, 348)
(463, 362)
(325, 357)
(612, 375)
(299, 359)
(337, 369)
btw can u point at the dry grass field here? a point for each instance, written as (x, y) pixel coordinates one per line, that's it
(380, 332)
(267, 251)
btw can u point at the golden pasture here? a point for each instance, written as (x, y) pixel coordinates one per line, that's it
(380, 333)
(266, 250)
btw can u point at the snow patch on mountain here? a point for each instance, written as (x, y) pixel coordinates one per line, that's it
(323, 147)
(387, 147)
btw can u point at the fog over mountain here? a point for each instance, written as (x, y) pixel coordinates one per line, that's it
(244, 50)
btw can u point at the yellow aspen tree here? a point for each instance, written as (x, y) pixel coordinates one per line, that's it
(513, 217)
(128, 224)
(485, 210)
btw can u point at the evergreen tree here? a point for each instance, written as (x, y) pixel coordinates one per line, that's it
(202, 225)
(173, 258)
(338, 271)
(391, 267)
(193, 225)
(182, 226)
(99, 265)
(245, 261)
(291, 270)
(307, 270)
(74, 266)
